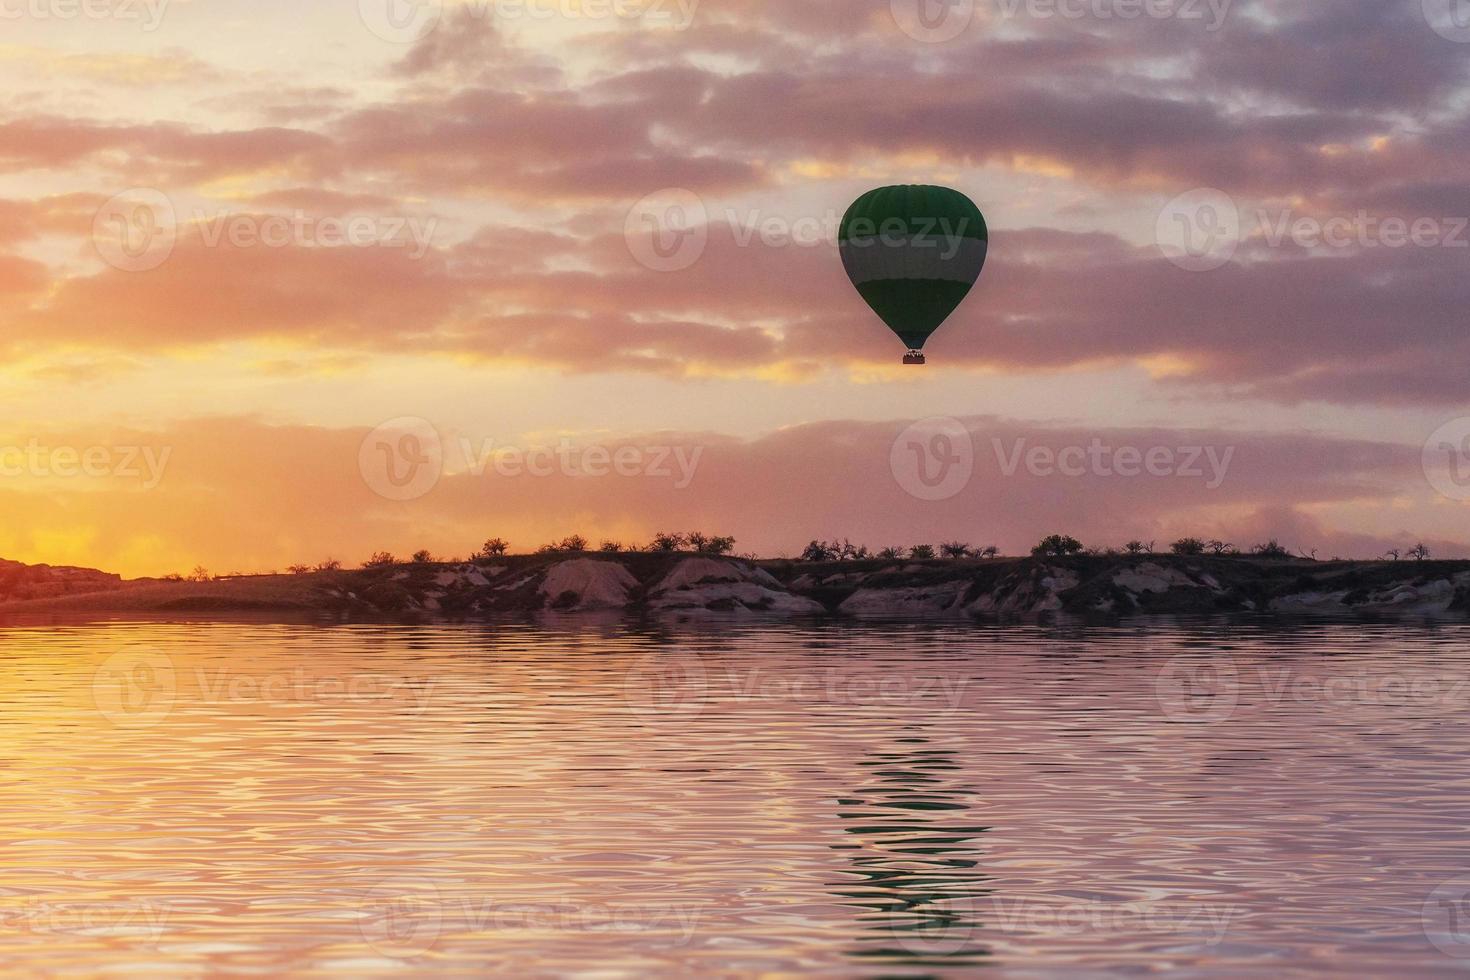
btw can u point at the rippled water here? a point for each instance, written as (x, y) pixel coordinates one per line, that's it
(622, 800)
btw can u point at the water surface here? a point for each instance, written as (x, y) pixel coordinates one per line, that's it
(625, 800)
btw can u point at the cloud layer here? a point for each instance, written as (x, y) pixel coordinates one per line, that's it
(497, 195)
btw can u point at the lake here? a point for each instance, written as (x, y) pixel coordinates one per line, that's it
(611, 799)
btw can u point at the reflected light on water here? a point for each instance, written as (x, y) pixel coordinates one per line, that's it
(624, 799)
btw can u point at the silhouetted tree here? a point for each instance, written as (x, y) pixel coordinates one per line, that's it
(1188, 546)
(954, 549)
(1271, 549)
(666, 542)
(819, 551)
(380, 559)
(1057, 546)
(720, 545)
(921, 552)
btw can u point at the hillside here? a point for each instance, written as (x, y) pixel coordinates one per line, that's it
(683, 584)
(22, 582)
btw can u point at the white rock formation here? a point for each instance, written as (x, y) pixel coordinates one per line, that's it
(926, 600)
(597, 584)
(1150, 577)
(710, 585)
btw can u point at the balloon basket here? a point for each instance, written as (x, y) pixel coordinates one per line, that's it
(914, 357)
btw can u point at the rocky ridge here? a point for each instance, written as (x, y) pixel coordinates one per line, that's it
(683, 585)
(19, 582)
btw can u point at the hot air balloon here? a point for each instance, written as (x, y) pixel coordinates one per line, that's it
(913, 252)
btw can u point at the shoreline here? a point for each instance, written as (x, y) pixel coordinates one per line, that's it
(684, 585)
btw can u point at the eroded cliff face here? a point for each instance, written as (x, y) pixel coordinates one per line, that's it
(689, 585)
(680, 585)
(686, 586)
(1116, 586)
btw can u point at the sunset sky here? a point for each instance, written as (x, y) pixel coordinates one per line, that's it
(179, 294)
